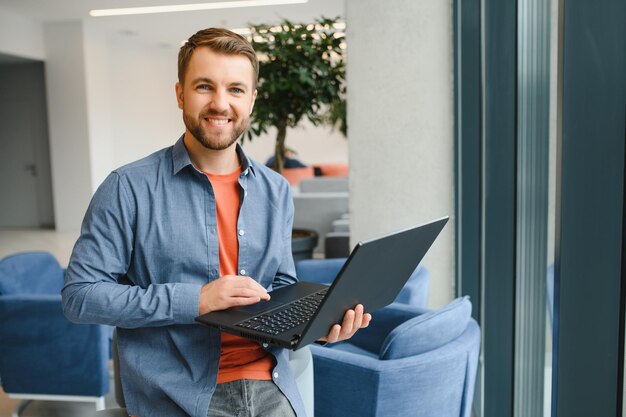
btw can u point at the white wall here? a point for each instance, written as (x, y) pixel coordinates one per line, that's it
(68, 122)
(401, 118)
(144, 113)
(21, 37)
(98, 90)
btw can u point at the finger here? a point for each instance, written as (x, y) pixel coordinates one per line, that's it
(358, 318)
(248, 282)
(248, 292)
(243, 301)
(348, 322)
(244, 288)
(333, 335)
(366, 320)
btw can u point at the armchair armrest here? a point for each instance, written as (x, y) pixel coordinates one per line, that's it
(64, 358)
(336, 392)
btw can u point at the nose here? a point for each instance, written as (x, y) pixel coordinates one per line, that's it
(219, 100)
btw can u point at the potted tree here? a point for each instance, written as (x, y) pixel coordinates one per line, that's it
(301, 76)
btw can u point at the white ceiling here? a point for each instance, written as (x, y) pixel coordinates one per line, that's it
(166, 29)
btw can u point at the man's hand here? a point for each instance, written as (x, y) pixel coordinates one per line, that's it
(353, 320)
(230, 291)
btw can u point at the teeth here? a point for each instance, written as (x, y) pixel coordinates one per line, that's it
(218, 121)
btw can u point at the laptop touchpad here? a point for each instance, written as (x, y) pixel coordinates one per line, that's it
(260, 307)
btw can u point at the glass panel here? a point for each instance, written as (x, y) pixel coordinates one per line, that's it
(552, 169)
(532, 334)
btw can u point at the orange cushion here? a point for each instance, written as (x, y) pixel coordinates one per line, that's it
(296, 175)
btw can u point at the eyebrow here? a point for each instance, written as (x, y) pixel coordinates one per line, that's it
(202, 80)
(239, 84)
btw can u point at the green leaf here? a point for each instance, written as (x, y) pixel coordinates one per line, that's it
(301, 75)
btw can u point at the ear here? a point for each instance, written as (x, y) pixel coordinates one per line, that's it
(253, 101)
(179, 95)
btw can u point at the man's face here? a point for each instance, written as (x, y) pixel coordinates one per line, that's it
(217, 97)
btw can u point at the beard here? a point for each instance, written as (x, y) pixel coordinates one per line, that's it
(214, 141)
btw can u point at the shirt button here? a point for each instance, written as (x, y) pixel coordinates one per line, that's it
(241, 232)
(242, 272)
(275, 374)
(265, 345)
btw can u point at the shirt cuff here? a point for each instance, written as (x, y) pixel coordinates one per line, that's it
(186, 300)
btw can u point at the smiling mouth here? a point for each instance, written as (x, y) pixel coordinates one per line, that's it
(218, 122)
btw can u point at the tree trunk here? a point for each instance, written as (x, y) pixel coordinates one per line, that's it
(279, 152)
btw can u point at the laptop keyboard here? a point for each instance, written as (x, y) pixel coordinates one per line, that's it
(280, 321)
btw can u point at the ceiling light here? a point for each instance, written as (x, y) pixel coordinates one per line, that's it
(191, 7)
(278, 28)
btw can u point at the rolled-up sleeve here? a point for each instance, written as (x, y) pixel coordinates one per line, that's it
(96, 290)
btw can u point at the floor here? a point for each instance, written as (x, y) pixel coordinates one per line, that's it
(54, 408)
(60, 244)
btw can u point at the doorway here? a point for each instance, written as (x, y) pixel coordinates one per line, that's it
(25, 172)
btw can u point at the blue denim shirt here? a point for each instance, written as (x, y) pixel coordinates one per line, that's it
(148, 244)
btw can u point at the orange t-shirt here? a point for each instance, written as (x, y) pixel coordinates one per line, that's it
(240, 358)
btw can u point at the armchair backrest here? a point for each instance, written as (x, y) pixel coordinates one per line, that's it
(324, 271)
(427, 331)
(30, 272)
(400, 331)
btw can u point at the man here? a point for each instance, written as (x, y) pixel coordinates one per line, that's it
(193, 228)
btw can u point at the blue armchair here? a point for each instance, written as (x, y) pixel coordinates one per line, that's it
(408, 362)
(324, 271)
(42, 354)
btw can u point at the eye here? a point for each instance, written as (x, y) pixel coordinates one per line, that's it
(237, 90)
(204, 87)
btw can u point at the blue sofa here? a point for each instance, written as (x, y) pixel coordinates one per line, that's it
(324, 271)
(408, 362)
(42, 354)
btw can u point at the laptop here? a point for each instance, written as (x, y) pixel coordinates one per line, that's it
(301, 313)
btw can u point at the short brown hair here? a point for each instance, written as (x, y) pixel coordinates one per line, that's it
(219, 40)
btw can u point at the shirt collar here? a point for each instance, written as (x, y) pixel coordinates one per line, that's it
(180, 158)
(246, 166)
